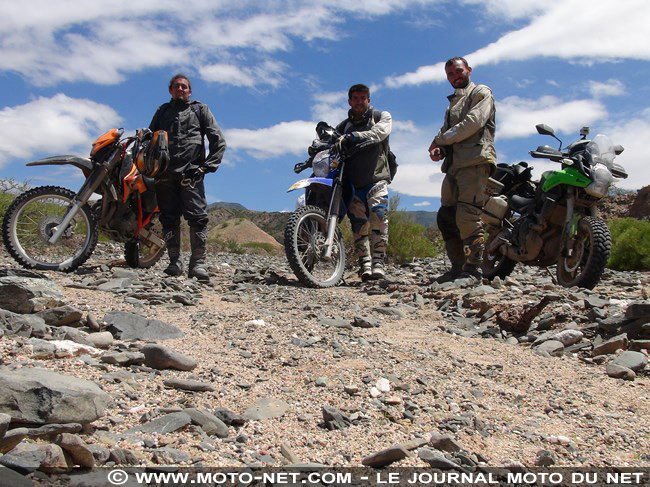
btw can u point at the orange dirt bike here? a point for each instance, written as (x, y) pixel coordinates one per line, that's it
(53, 228)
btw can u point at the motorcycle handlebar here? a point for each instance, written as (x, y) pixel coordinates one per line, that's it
(301, 166)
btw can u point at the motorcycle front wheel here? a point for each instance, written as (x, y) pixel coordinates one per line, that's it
(304, 243)
(141, 253)
(584, 263)
(31, 220)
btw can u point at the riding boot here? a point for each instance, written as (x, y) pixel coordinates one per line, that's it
(378, 244)
(173, 243)
(454, 248)
(473, 247)
(378, 270)
(365, 268)
(198, 241)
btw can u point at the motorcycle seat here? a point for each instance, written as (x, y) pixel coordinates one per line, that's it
(521, 204)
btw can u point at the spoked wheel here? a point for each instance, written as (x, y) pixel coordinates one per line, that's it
(495, 264)
(304, 244)
(33, 217)
(584, 263)
(144, 253)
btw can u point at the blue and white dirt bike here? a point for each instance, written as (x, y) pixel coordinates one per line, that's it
(312, 239)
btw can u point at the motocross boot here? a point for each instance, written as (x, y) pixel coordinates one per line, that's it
(473, 247)
(365, 268)
(378, 270)
(454, 248)
(198, 241)
(173, 243)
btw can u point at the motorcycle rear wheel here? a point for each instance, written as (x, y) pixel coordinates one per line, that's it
(143, 254)
(589, 255)
(30, 221)
(304, 239)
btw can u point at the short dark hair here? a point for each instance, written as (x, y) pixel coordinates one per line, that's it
(178, 76)
(452, 60)
(358, 88)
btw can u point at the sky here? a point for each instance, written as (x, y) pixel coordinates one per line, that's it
(270, 70)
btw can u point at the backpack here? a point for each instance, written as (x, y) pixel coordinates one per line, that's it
(390, 155)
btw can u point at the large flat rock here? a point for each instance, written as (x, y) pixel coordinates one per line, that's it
(28, 294)
(40, 396)
(130, 326)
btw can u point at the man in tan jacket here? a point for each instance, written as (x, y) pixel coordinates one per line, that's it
(466, 142)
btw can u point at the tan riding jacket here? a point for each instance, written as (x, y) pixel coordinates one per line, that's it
(467, 134)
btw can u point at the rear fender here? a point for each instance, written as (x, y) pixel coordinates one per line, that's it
(82, 163)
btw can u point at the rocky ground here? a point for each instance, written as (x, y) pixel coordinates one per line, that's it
(114, 366)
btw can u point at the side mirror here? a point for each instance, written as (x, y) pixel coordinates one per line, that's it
(544, 129)
(618, 149)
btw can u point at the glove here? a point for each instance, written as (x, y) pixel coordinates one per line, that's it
(343, 142)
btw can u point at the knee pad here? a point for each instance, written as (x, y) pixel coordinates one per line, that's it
(380, 210)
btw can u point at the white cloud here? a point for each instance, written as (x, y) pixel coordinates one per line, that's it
(269, 73)
(598, 32)
(612, 87)
(330, 107)
(284, 138)
(512, 9)
(632, 134)
(423, 74)
(53, 125)
(48, 42)
(517, 117)
(417, 175)
(422, 203)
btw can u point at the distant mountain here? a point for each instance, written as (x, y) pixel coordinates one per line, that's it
(424, 218)
(230, 206)
(272, 222)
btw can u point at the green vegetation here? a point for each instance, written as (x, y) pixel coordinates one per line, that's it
(5, 201)
(406, 239)
(260, 247)
(630, 245)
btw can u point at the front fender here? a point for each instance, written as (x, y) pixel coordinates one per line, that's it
(80, 162)
(303, 183)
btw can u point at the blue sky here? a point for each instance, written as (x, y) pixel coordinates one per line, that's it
(270, 70)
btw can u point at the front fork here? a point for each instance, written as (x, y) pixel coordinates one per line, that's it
(89, 186)
(332, 220)
(571, 225)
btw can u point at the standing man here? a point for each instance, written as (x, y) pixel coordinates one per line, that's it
(466, 142)
(180, 189)
(368, 172)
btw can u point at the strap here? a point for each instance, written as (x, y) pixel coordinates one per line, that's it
(196, 108)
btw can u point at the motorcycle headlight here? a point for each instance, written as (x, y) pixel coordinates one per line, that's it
(321, 164)
(602, 180)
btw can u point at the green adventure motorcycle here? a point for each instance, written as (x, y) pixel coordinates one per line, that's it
(554, 220)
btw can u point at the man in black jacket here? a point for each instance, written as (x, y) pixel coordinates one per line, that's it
(180, 189)
(366, 131)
